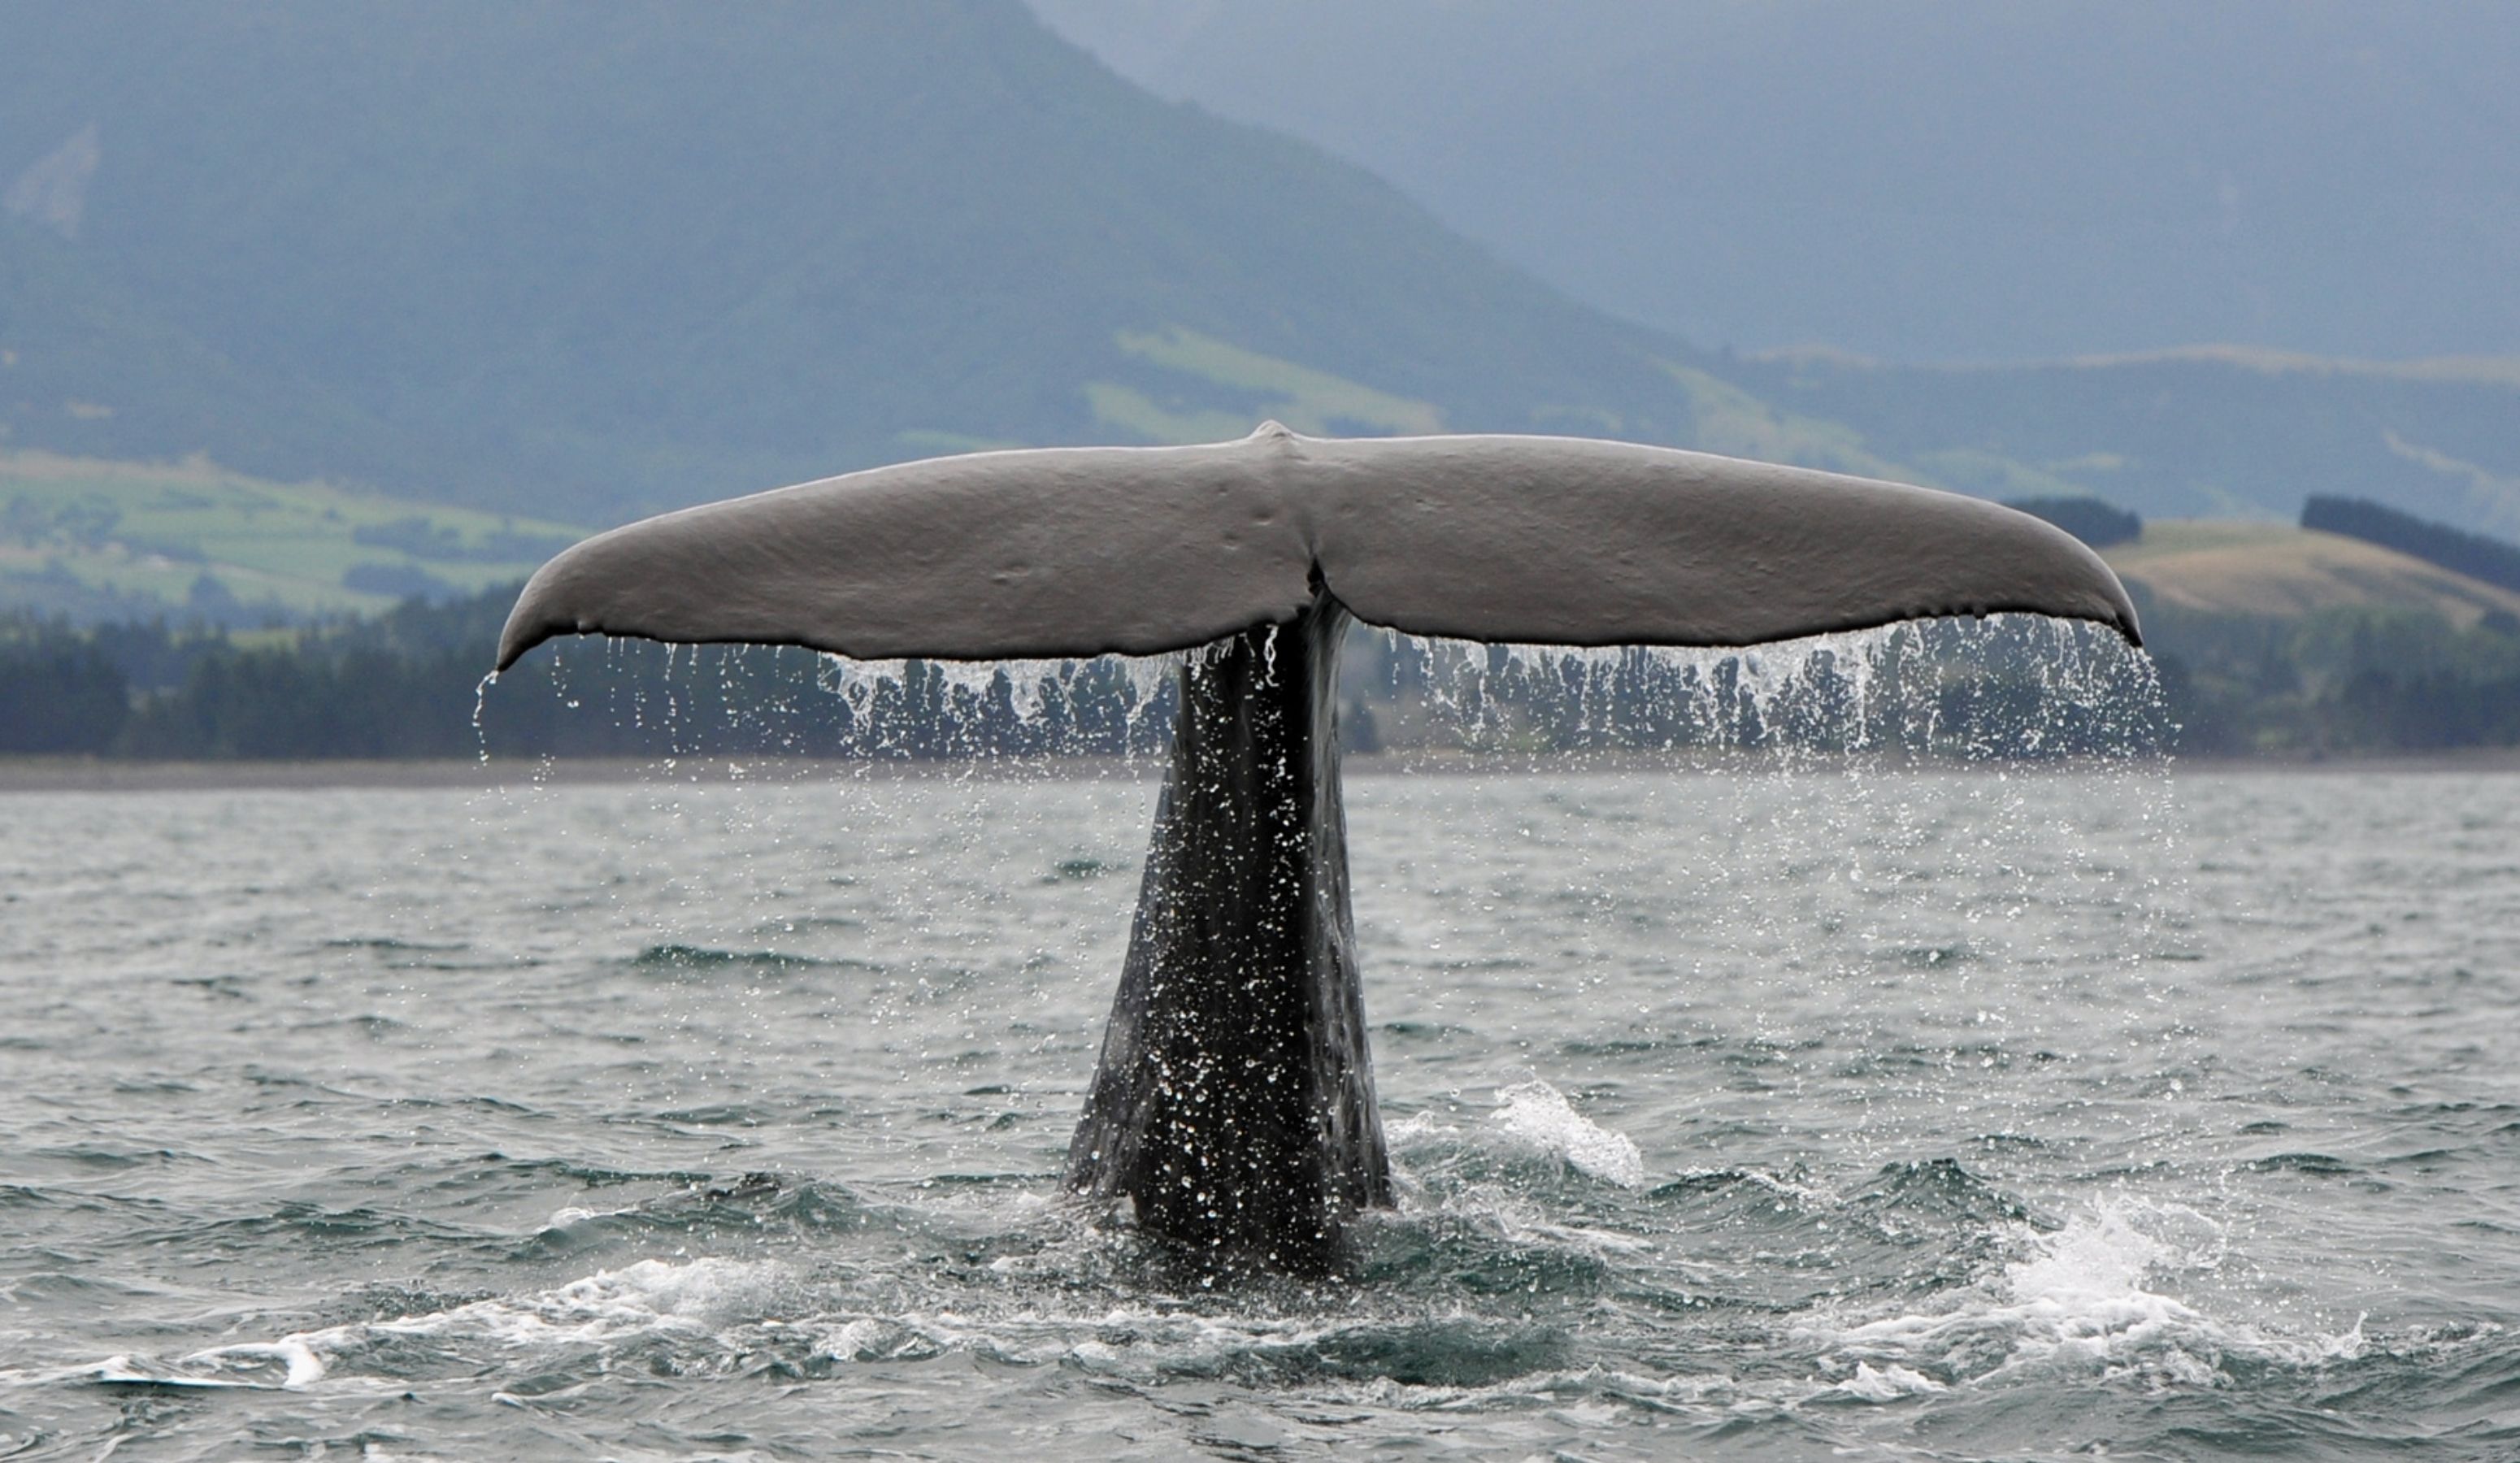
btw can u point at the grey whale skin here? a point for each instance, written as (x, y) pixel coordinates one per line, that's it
(1233, 1100)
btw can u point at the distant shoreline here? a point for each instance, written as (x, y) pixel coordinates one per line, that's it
(109, 775)
(105, 775)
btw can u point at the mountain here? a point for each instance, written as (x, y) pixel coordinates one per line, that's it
(2274, 570)
(593, 258)
(574, 261)
(1935, 180)
(2206, 432)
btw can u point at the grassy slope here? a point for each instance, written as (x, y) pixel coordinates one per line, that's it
(139, 534)
(2231, 567)
(1307, 400)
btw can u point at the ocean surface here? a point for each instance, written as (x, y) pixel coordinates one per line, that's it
(1840, 1110)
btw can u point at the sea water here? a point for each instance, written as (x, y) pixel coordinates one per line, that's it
(1855, 1108)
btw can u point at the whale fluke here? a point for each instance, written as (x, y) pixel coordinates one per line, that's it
(1076, 552)
(1234, 1104)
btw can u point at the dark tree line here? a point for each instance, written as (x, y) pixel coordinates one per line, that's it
(2473, 555)
(2094, 520)
(2352, 679)
(59, 692)
(409, 684)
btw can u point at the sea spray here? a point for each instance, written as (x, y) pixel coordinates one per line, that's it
(1539, 1115)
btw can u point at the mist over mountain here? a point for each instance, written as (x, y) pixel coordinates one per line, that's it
(1953, 180)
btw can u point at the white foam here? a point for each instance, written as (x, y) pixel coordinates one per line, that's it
(609, 1305)
(1417, 1127)
(698, 1297)
(570, 1216)
(1538, 1114)
(1571, 1394)
(303, 1368)
(2083, 1301)
(122, 1369)
(856, 682)
(875, 1338)
(1027, 681)
(1888, 1384)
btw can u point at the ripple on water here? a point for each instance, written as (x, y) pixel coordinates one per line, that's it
(1702, 1154)
(688, 958)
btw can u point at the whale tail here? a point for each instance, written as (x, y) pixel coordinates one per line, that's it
(1234, 1102)
(1076, 552)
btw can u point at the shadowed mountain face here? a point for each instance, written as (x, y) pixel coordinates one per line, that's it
(606, 256)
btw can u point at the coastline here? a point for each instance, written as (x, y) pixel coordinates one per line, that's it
(105, 775)
(35, 774)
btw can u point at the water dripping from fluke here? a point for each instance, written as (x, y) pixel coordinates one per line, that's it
(1233, 1108)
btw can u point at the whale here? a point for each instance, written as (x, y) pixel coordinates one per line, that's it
(1232, 1108)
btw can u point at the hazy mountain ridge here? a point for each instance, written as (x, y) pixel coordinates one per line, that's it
(2191, 433)
(1942, 180)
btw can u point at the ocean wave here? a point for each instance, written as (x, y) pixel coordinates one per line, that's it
(1539, 1115)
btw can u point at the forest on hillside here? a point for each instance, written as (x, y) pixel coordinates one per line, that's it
(2343, 681)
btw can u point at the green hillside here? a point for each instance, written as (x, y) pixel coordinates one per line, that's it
(100, 540)
(2278, 571)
